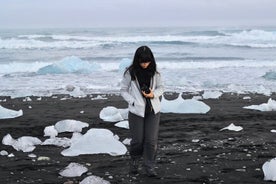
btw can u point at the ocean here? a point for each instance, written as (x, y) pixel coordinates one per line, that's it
(44, 62)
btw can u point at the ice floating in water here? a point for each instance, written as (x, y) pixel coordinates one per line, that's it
(269, 169)
(25, 143)
(70, 126)
(73, 170)
(94, 180)
(8, 113)
(269, 106)
(71, 64)
(211, 94)
(112, 114)
(124, 64)
(122, 124)
(232, 127)
(96, 141)
(180, 105)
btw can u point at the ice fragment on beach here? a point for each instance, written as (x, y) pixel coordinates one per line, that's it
(94, 180)
(3, 153)
(25, 143)
(58, 141)
(122, 124)
(73, 170)
(180, 105)
(126, 141)
(32, 155)
(211, 94)
(95, 141)
(273, 131)
(269, 169)
(50, 131)
(232, 127)
(8, 113)
(246, 98)
(99, 97)
(269, 106)
(41, 158)
(69, 125)
(111, 114)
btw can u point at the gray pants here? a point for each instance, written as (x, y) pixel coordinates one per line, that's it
(144, 134)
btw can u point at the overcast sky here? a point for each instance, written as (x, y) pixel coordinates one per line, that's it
(112, 13)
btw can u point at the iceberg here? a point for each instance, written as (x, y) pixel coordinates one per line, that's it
(70, 64)
(8, 113)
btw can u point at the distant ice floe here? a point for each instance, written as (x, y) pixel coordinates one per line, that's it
(211, 94)
(180, 105)
(73, 170)
(269, 106)
(8, 113)
(269, 169)
(112, 114)
(70, 64)
(96, 141)
(25, 143)
(94, 180)
(232, 127)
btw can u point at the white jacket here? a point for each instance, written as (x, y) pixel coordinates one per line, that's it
(131, 92)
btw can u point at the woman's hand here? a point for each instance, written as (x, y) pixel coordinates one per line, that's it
(149, 95)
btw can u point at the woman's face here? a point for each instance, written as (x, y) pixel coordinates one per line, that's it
(145, 65)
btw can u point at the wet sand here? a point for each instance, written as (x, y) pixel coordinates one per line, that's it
(191, 147)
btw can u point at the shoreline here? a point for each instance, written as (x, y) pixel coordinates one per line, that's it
(191, 147)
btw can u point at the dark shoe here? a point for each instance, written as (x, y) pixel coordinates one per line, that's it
(151, 172)
(133, 168)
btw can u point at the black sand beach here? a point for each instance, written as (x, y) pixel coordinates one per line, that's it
(191, 147)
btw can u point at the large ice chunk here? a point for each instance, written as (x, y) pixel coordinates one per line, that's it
(180, 105)
(96, 141)
(269, 169)
(25, 143)
(8, 113)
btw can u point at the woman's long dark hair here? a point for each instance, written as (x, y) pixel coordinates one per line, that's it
(142, 54)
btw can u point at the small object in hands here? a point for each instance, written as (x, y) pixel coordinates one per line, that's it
(145, 89)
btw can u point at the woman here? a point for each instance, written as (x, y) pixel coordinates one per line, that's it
(141, 87)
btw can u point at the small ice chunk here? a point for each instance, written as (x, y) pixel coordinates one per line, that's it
(32, 155)
(11, 155)
(211, 94)
(195, 140)
(50, 131)
(25, 143)
(273, 131)
(246, 98)
(69, 125)
(99, 97)
(81, 112)
(232, 127)
(58, 141)
(8, 113)
(4, 153)
(269, 106)
(69, 87)
(111, 114)
(127, 141)
(122, 124)
(73, 170)
(94, 179)
(42, 158)
(269, 169)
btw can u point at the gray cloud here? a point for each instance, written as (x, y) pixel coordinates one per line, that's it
(91, 13)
